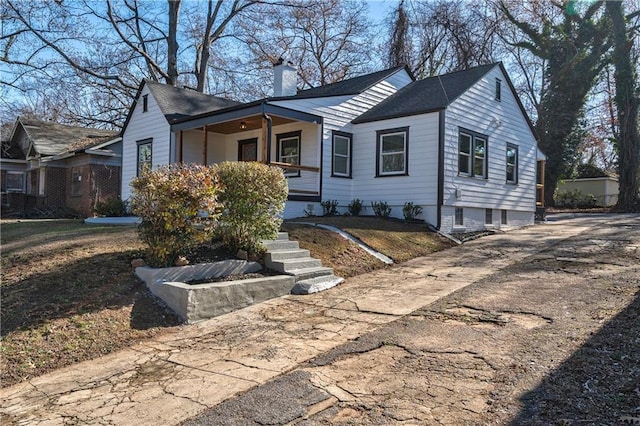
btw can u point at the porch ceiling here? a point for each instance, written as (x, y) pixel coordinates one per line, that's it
(252, 123)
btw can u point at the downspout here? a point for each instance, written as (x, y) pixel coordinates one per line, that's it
(441, 134)
(269, 127)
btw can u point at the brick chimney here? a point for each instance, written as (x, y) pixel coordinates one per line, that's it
(285, 79)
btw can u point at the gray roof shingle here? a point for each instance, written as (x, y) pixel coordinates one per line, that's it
(176, 103)
(422, 96)
(351, 86)
(53, 138)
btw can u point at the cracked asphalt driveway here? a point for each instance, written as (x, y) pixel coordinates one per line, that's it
(522, 327)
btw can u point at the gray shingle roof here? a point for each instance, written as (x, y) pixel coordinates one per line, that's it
(176, 103)
(53, 138)
(352, 86)
(430, 94)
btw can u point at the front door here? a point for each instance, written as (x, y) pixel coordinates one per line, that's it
(248, 150)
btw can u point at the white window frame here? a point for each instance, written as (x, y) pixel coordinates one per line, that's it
(348, 137)
(380, 154)
(514, 164)
(458, 217)
(140, 164)
(471, 158)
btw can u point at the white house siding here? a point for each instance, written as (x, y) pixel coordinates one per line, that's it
(143, 125)
(420, 186)
(338, 112)
(502, 122)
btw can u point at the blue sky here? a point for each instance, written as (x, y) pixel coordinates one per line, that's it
(379, 9)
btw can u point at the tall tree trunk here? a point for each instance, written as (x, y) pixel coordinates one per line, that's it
(399, 44)
(203, 53)
(627, 101)
(172, 43)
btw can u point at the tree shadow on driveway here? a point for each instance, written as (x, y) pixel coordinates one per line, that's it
(598, 384)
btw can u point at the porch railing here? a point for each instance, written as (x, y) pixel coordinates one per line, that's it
(298, 167)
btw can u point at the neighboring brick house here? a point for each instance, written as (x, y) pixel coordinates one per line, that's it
(50, 167)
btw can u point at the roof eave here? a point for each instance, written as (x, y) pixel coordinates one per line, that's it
(107, 143)
(13, 160)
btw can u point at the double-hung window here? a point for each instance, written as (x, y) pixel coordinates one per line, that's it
(472, 154)
(512, 164)
(289, 151)
(392, 152)
(341, 154)
(144, 156)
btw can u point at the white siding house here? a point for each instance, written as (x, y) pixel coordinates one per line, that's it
(460, 145)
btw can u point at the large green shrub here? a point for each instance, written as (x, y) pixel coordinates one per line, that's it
(253, 196)
(178, 206)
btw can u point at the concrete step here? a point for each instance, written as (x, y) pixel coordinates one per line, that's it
(285, 254)
(308, 273)
(288, 265)
(314, 285)
(282, 236)
(273, 245)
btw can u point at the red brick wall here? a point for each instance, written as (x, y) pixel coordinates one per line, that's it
(56, 187)
(98, 183)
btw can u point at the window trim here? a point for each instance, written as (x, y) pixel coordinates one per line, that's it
(76, 182)
(503, 217)
(242, 143)
(7, 188)
(284, 136)
(515, 165)
(349, 156)
(472, 154)
(488, 216)
(379, 135)
(141, 143)
(458, 213)
(498, 90)
(145, 103)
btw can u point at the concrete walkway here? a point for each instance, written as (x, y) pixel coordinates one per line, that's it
(182, 373)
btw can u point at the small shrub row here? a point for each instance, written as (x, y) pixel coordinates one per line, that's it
(410, 210)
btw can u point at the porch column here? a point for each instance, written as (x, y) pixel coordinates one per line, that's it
(206, 140)
(540, 183)
(264, 140)
(181, 151)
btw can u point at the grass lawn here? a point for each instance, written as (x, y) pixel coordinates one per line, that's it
(69, 294)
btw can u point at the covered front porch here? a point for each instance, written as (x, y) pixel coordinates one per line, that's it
(257, 132)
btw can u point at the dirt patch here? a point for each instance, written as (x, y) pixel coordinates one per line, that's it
(235, 277)
(396, 239)
(68, 295)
